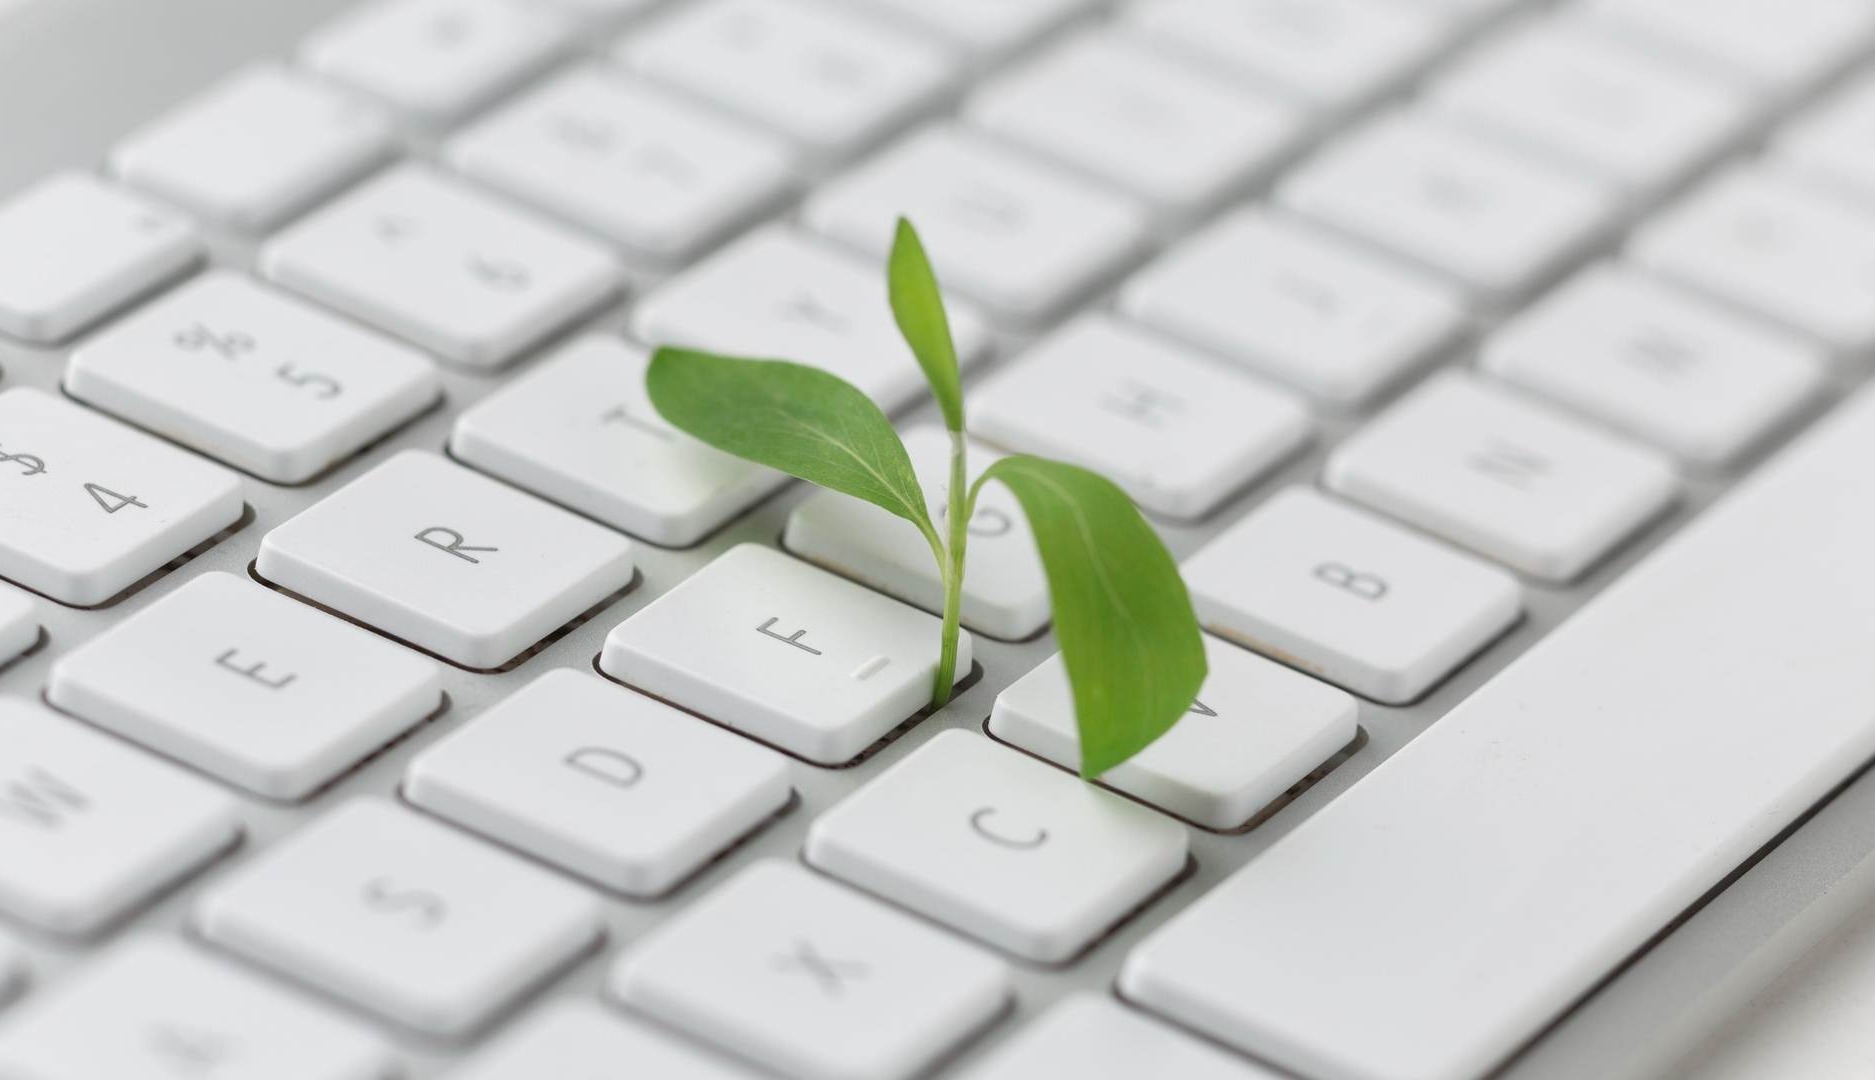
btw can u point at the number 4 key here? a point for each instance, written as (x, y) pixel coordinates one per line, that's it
(105, 506)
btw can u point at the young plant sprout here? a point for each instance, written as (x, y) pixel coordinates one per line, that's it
(1122, 616)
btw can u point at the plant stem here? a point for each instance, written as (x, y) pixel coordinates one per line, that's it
(953, 567)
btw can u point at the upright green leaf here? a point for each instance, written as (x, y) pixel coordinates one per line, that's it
(798, 419)
(918, 305)
(1129, 638)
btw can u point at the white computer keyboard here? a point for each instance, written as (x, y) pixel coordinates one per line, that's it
(368, 720)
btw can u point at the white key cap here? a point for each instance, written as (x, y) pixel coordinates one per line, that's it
(73, 249)
(580, 430)
(985, 27)
(1532, 840)
(1179, 433)
(1690, 377)
(437, 263)
(1331, 53)
(93, 507)
(19, 624)
(1005, 590)
(253, 377)
(248, 685)
(254, 148)
(1298, 304)
(1019, 855)
(1489, 218)
(803, 976)
(1093, 1037)
(573, 1039)
(90, 828)
(1256, 730)
(1497, 222)
(783, 651)
(435, 59)
(154, 1007)
(1559, 89)
(611, 785)
(1107, 103)
(637, 164)
(401, 915)
(1780, 45)
(451, 561)
(1504, 476)
(830, 81)
(1020, 238)
(1769, 245)
(778, 293)
(1348, 597)
(1830, 143)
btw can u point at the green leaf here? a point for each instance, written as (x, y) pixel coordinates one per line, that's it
(918, 305)
(798, 419)
(1129, 638)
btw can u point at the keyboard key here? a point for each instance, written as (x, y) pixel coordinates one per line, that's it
(1330, 53)
(580, 430)
(1256, 730)
(73, 249)
(1829, 144)
(430, 260)
(253, 378)
(154, 1007)
(1559, 89)
(1005, 590)
(448, 560)
(573, 1039)
(1767, 244)
(1179, 433)
(1690, 377)
(1297, 304)
(19, 624)
(1503, 476)
(255, 148)
(611, 785)
(94, 507)
(1498, 223)
(1436, 916)
(780, 294)
(638, 165)
(1092, 1037)
(1020, 238)
(1778, 45)
(1019, 855)
(189, 675)
(402, 916)
(1348, 597)
(435, 59)
(985, 27)
(829, 81)
(790, 970)
(89, 828)
(1108, 104)
(785, 652)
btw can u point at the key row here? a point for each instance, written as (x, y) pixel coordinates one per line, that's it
(156, 1005)
(436, 932)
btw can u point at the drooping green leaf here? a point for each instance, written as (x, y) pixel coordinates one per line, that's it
(798, 419)
(918, 305)
(1129, 639)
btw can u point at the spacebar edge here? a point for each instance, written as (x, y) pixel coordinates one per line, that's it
(1435, 916)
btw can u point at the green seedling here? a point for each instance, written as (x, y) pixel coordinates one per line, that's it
(1124, 621)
